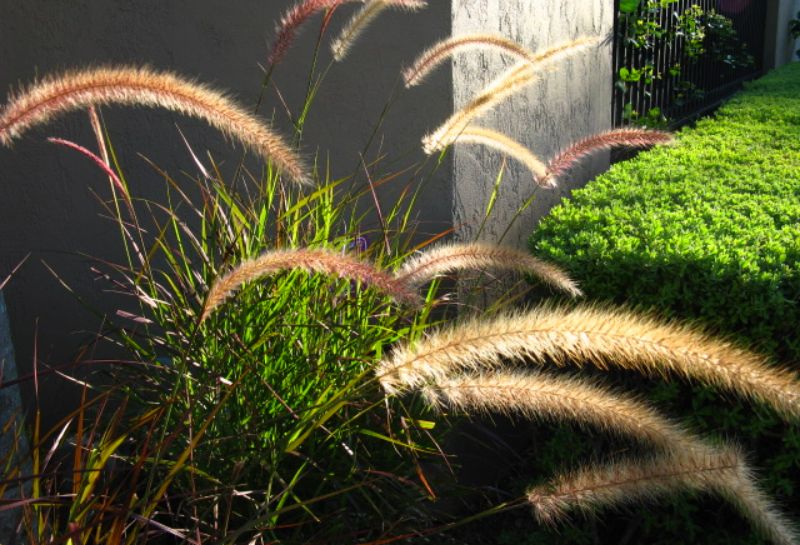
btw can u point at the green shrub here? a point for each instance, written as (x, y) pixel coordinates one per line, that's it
(707, 230)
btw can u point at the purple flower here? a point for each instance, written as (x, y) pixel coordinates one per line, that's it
(359, 245)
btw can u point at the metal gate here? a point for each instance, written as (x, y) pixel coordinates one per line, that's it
(672, 83)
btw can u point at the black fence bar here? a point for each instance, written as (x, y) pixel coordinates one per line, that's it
(672, 83)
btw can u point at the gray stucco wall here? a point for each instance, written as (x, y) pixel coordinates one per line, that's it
(46, 202)
(12, 438)
(780, 47)
(570, 101)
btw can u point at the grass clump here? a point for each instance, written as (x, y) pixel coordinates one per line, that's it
(705, 230)
(284, 369)
(280, 370)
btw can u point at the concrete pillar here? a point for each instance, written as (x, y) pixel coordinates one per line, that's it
(570, 101)
(795, 43)
(779, 46)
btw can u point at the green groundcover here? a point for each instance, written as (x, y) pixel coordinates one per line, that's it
(707, 230)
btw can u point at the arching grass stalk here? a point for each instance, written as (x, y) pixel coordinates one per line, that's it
(139, 86)
(602, 337)
(341, 46)
(720, 470)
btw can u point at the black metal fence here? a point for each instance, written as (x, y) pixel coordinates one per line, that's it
(671, 64)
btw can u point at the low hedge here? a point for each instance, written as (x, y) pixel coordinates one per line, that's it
(706, 230)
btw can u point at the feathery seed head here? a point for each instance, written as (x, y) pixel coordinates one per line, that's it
(593, 487)
(315, 261)
(493, 139)
(601, 337)
(440, 52)
(448, 258)
(557, 398)
(506, 85)
(340, 47)
(292, 20)
(145, 87)
(625, 137)
(721, 470)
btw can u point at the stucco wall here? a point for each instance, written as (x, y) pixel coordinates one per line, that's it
(569, 101)
(11, 440)
(790, 52)
(780, 47)
(46, 202)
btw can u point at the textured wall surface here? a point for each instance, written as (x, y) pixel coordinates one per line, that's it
(785, 45)
(47, 205)
(779, 46)
(568, 102)
(10, 410)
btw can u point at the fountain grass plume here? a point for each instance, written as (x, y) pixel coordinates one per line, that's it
(722, 470)
(140, 86)
(454, 257)
(504, 86)
(440, 52)
(558, 398)
(291, 22)
(507, 84)
(340, 47)
(625, 137)
(593, 335)
(486, 137)
(311, 260)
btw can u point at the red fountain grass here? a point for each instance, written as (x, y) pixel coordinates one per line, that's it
(142, 86)
(294, 18)
(341, 46)
(100, 163)
(311, 260)
(627, 137)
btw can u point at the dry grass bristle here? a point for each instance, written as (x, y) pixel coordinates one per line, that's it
(626, 137)
(502, 143)
(592, 335)
(314, 261)
(293, 19)
(557, 398)
(137, 86)
(448, 258)
(340, 47)
(720, 470)
(440, 52)
(97, 129)
(504, 86)
(507, 84)
(99, 162)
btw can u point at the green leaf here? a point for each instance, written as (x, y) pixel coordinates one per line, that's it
(630, 74)
(421, 424)
(628, 6)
